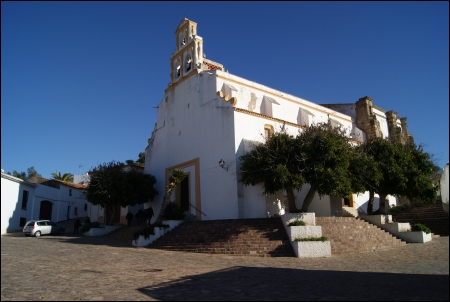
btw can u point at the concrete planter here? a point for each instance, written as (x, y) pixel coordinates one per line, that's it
(401, 230)
(415, 237)
(294, 232)
(101, 231)
(308, 218)
(308, 249)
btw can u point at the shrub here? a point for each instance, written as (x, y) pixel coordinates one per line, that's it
(173, 212)
(144, 231)
(87, 226)
(323, 238)
(420, 227)
(296, 223)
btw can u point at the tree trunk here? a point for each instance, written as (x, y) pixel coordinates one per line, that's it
(308, 199)
(384, 206)
(113, 211)
(291, 201)
(370, 203)
(165, 202)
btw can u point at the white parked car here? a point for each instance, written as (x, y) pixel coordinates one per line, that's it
(43, 227)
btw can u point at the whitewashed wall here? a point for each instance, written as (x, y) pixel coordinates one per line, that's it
(360, 202)
(192, 124)
(12, 192)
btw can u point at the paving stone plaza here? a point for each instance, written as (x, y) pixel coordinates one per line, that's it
(100, 268)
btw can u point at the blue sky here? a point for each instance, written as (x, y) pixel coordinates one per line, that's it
(80, 80)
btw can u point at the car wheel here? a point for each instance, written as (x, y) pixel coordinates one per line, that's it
(60, 232)
(37, 234)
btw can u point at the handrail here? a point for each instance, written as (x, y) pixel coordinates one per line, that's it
(197, 209)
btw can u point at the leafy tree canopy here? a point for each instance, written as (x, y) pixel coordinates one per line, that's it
(111, 186)
(326, 158)
(30, 174)
(320, 155)
(275, 164)
(405, 170)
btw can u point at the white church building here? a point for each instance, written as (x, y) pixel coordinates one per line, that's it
(208, 115)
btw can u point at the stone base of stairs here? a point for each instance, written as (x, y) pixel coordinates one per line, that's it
(263, 237)
(353, 235)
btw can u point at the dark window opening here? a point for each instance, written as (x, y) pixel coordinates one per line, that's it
(85, 207)
(70, 192)
(23, 221)
(24, 199)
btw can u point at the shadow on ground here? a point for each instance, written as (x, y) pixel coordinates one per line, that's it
(297, 285)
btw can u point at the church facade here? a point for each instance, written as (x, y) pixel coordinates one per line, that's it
(208, 118)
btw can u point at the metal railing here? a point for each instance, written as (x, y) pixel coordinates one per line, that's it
(198, 210)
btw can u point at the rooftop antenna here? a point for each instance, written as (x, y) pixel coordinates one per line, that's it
(79, 168)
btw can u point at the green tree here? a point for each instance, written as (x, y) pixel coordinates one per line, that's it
(276, 165)
(29, 175)
(110, 186)
(406, 170)
(21, 175)
(420, 171)
(175, 178)
(141, 158)
(326, 156)
(320, 156)
(68, 177)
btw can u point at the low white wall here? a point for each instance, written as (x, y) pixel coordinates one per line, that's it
(303, 232)
(101, 231)
(308, 218)
(308, 249)
(159, 231)
(400, 230)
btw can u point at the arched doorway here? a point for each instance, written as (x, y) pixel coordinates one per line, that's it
(45, 212)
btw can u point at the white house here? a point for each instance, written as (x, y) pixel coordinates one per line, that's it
(208, 115)
(17, 202)
(51, 199)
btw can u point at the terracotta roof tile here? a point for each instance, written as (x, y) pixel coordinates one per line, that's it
(71, 184)
(212, 66)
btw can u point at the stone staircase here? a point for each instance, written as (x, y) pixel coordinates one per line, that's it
(350, 235)
(432, 216)
(263, 237)
(124, 234)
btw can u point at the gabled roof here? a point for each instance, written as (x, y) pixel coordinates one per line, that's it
(70, 184)
(182, 23)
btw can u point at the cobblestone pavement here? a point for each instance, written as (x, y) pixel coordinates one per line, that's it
(100, 268)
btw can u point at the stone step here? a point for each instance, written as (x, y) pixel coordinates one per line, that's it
(254, 237)
(349, 235)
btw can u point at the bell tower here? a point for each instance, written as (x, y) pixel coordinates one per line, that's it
(188, 54)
